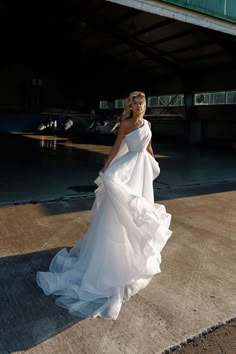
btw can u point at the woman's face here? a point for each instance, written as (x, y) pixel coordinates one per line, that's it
(138, 105)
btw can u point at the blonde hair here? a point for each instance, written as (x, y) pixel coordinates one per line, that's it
(127, 112)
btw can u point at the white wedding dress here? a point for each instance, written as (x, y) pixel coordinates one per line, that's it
(120, 252)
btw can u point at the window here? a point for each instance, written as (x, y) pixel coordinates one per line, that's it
(171, 100)
(106, 105)
(119, 103)
(103, 104)
(215, 98)
(177, 100)
(201, 99)
(152, 101)
(231, 97)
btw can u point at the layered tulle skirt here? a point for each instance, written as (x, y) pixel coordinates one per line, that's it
(118, 255)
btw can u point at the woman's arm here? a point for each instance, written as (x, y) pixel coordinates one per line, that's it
(149, 149)
(120, 135)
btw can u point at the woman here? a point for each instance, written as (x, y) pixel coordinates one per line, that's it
(120, 252)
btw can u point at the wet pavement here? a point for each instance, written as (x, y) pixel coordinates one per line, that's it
(38, 168)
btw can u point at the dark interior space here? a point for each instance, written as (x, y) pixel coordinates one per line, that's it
(69, 56)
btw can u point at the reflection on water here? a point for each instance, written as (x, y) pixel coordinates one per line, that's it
(40, 166)
(48, 144)
(50, 152)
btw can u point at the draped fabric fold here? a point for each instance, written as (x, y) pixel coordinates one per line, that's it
(121, 250)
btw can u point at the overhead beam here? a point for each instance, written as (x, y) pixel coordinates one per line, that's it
(219, 53)
(225, 42)
(152, 53)
(189, 48)
(153, 27)
(163, 40)
(180, 14)
(113, 44)
(138, 33)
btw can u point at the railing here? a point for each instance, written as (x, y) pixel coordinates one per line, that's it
(224, 9)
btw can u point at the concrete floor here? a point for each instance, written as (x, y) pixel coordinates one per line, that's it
(194, 292)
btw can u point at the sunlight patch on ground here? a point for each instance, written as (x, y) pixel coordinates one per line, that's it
(101, 149)
(40, 137)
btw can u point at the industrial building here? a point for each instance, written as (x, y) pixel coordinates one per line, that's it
(66, 68)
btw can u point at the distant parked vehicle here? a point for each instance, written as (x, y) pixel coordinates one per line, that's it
(103, 127)
(54, 124)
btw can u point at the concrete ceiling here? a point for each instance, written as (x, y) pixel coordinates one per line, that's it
(113, 44)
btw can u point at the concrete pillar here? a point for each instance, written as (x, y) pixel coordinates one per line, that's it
(195, 132)
(194, 126)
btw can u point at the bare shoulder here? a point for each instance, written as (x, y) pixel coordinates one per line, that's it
(125, 125)
(126, 122)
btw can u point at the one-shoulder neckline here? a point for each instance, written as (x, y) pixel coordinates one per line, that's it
(136, 129)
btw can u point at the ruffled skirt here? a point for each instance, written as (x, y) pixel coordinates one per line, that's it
(117, 257)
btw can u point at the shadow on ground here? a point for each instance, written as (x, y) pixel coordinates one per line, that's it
(161, 193)
(172, 192)
(83, 189)
(28, 317)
